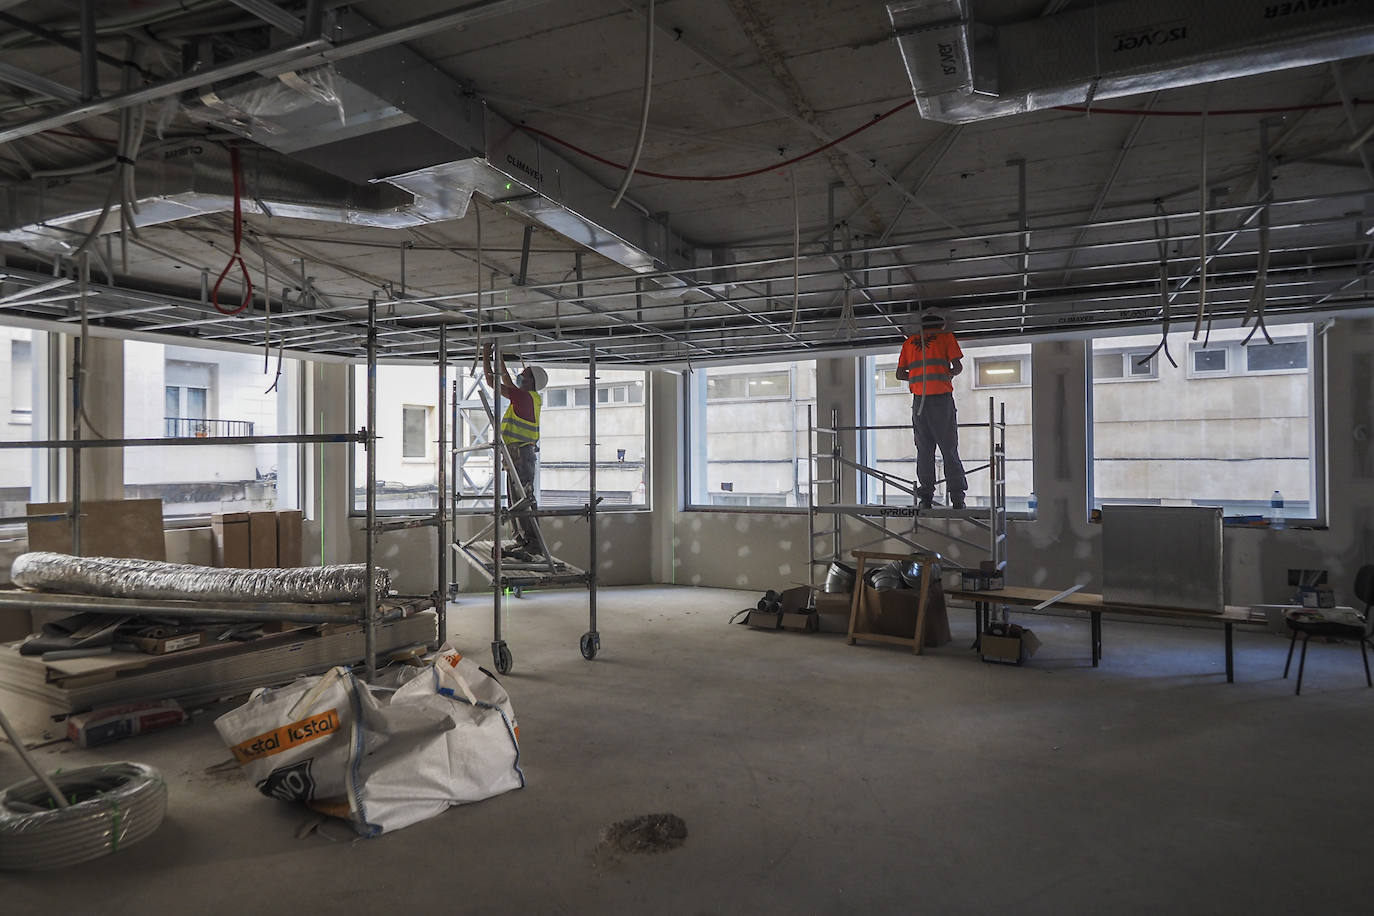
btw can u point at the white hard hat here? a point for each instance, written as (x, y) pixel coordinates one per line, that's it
(933, 319)
(540, 377)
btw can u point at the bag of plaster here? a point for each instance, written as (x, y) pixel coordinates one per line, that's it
(381, 756)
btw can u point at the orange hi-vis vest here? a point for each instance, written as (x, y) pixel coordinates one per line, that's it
(926, 357)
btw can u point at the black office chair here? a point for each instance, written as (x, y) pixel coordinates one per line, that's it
(1364, 633)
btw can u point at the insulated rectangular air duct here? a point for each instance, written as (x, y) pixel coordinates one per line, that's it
(391, 116)
(194, 178)
(961, 71)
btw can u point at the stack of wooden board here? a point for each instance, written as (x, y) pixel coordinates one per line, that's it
(33, 691)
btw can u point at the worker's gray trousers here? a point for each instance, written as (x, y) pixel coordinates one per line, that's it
(935, 423)
(526, 463)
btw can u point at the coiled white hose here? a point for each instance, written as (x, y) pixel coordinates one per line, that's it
(111, 806)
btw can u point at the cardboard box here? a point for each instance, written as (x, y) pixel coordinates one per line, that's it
(893, 612)
(101, 726)
(289, 525)
(803, 621)
(764, 620)
(1010, 650)
(262, 540)
(230, 535)
(795, 599)
(832, 612)
(109, 528)
(166, 644)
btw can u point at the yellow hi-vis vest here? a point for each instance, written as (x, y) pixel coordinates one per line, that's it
(516, 430)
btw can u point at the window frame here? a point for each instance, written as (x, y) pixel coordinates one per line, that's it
(1261, 344)
(1238, 357)
(1024, 381)
(693, 459)
(294, 478)
(868, 391)
(749, 377)
(427, 445)
(48, 467)
(1195, 348)
(1317, 415)
(1129, 356)
(355, 511)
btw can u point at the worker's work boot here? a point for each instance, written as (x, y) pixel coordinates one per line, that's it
(956, 500)
(925, 502)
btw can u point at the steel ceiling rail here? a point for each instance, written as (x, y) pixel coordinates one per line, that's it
(1228, 291)
(1143, 264)
(309, 53)
(1009, 235)
(196, 309)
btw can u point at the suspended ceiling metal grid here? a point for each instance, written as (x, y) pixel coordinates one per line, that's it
(1031, 224)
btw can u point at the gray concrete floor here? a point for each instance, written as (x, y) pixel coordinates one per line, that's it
(814, 777)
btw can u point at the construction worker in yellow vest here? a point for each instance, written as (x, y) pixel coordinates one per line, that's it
(520, 432)
(928, 363)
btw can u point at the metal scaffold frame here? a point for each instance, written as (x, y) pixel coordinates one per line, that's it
(487, 558)
(366, 436)
(990, 519)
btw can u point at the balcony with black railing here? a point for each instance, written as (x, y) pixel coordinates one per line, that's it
(196, 428)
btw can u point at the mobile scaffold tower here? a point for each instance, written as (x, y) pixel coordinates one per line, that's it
(481, 550)
(827, 514)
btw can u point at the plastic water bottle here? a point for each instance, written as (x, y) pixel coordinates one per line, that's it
(1032, 504)
(1276, 519)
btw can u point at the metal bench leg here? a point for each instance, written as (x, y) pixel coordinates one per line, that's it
(1290, 654)
(1302, 662)
(1096, 636)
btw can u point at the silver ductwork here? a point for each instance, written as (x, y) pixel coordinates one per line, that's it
(391, 117)
(196, 179)
(963, 71)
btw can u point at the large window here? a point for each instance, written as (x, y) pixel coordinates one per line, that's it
(1002, 373)
(186, 392)
(24, 366)
(407, 453)
(407, 436)
(1231, 424)
(748, 434)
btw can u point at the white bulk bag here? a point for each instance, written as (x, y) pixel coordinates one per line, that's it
(381, 756)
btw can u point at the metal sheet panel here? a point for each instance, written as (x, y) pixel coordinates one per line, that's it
(1163, 556)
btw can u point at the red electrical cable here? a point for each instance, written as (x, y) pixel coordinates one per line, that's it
(666, 176)
(237, 256)
(749, 174)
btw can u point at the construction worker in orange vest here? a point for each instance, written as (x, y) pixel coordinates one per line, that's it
(928, 363)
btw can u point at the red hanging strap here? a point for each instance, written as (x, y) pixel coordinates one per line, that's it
(237, 256)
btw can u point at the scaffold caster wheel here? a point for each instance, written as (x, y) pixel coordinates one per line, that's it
(500, 655)
(591, 642)
(518, 591)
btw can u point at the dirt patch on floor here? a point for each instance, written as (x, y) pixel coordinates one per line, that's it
(648, 833)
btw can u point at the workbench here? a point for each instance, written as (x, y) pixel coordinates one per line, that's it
(1092, 604)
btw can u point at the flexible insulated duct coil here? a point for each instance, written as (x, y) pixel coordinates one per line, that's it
(120, 577)
(111, 806)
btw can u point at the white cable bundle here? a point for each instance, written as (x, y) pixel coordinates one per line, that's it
(111, 806)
